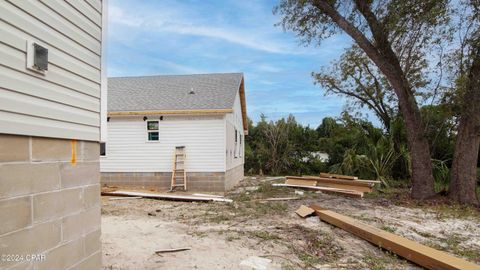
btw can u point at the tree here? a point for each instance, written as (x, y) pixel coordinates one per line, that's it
(379, 28)
(464, 166)
(355, 77)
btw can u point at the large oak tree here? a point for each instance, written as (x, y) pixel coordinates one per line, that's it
(376, 27)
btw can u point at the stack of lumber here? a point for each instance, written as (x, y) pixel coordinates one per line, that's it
(331, 183)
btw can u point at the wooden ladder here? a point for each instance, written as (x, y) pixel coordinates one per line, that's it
(178, 172)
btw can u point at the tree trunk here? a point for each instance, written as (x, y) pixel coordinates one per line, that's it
(386, 60)
(463, 181)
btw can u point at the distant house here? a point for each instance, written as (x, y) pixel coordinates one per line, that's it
(149, 116)
(323, 157)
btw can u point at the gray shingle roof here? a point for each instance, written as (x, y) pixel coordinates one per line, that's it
(172, 92)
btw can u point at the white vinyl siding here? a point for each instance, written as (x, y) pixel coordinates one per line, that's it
(234, 151)
(128, 149)
(65, 101)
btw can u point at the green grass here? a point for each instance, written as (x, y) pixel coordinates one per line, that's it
(383, 261)
(452, 243)
(388, 228)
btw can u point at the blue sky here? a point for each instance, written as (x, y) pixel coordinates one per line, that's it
(208, 36)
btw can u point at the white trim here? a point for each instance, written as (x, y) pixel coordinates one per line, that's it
(103, 73)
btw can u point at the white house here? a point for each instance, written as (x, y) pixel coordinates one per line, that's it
(149, 116)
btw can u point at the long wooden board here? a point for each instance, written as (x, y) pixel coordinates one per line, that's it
(422, 255)
(338, 176)
(165, 196)
(346, 192)
(333, 181)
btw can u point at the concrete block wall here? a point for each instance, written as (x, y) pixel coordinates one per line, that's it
(233, 177)
(49, 203)
(196, 181)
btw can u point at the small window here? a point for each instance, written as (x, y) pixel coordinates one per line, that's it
(235, 135)
(103, 149)
(152, 129)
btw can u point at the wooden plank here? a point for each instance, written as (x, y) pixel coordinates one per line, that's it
(338, 176)
(422, 255)
(332, 181)
(368, 181)
(349, 187)
(304, 211)
(165, 196)
(300, 182)
(350, 193)
(208, 195)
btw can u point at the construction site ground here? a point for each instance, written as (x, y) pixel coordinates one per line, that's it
(223, 235)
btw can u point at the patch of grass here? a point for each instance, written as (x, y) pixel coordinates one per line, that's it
(288, 267)
(315, 247)
(231, 238)
(364, 217)
(270, 208)
(374, 262)
(456, 211)
(384, 261)
(423, 234)
(266, 190)
(265, 236)
(388, 228)
(452, 244)
(308, 259)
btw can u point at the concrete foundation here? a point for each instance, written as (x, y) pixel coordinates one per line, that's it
(196, 181)
(49, 203)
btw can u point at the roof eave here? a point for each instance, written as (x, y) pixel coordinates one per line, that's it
(171, 112)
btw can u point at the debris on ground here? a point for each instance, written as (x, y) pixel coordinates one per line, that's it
(171, 250)
(170, 196)
(225, 234)
(304, 211)
(124, 198)
(331, 183)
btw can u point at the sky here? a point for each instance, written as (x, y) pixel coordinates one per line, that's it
(147, 37)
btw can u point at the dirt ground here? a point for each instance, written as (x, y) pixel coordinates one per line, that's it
(222, 235)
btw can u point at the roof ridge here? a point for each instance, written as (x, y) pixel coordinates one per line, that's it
(179, 75)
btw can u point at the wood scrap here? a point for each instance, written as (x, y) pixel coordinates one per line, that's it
(331, 180)
(158, 252)
(208, 195)
(422, 255)
(346, 192)
(304, 211)
(338, 176)
(302, 182)
(165, 196)
(369, 181)
(123, 198)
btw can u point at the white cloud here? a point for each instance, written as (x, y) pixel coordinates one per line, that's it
(174, 21)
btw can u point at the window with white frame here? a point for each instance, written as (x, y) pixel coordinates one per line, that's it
(152, 130)
(236, 144)
(241, 148)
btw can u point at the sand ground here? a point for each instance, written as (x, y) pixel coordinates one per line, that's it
(222, 235)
